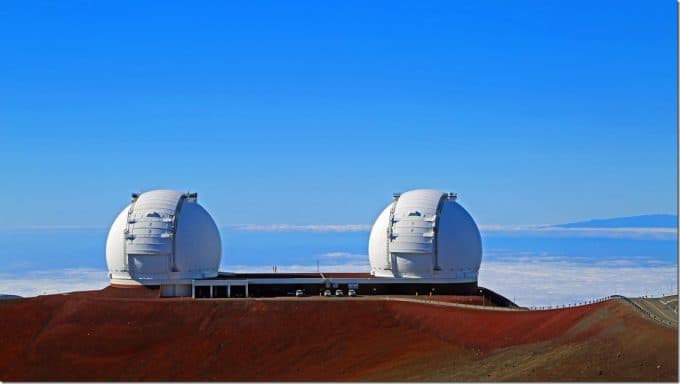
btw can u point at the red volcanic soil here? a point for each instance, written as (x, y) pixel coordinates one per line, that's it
(115, 334)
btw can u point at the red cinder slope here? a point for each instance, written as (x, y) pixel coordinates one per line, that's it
(113, 335)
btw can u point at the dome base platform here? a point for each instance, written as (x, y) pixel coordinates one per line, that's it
(242, 285)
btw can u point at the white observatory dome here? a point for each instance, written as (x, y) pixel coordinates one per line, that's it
(425, 234)
(162, 236)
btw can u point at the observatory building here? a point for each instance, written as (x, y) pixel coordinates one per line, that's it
(425, 234)
(423, 242)
(163, 238)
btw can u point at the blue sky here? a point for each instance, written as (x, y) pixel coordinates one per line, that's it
(316, 112)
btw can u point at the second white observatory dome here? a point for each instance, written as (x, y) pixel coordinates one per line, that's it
(160, 237)
(425, 233)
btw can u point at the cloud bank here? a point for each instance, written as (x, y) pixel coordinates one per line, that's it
(558, 281)
(294, 268)
(48, 282)
(328, 262)
(528, 280)
(301, 228)
(642, 233)
(648, 233)
(651, 233)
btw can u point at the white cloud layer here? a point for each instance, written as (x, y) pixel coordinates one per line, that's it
(302, 228)
(653, 233)
(648, 233)
(529, 281)
(487, 230)
(295, 268)
(339, 257)
(53, 281)
(552, 281)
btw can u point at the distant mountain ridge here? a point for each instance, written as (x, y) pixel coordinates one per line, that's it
(642, 221)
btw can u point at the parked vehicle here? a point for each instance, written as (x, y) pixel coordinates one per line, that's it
(299, 293)
(327, 292)
(338, 292)
(351, 293)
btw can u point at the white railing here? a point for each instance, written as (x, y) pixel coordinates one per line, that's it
(610, 297)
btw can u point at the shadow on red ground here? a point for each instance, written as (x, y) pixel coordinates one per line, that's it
(130, 334)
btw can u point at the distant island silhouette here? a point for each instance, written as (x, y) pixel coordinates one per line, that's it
(646, 221)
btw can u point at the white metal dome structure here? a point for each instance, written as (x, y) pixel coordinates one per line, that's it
(162, 236)
(425, 233)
